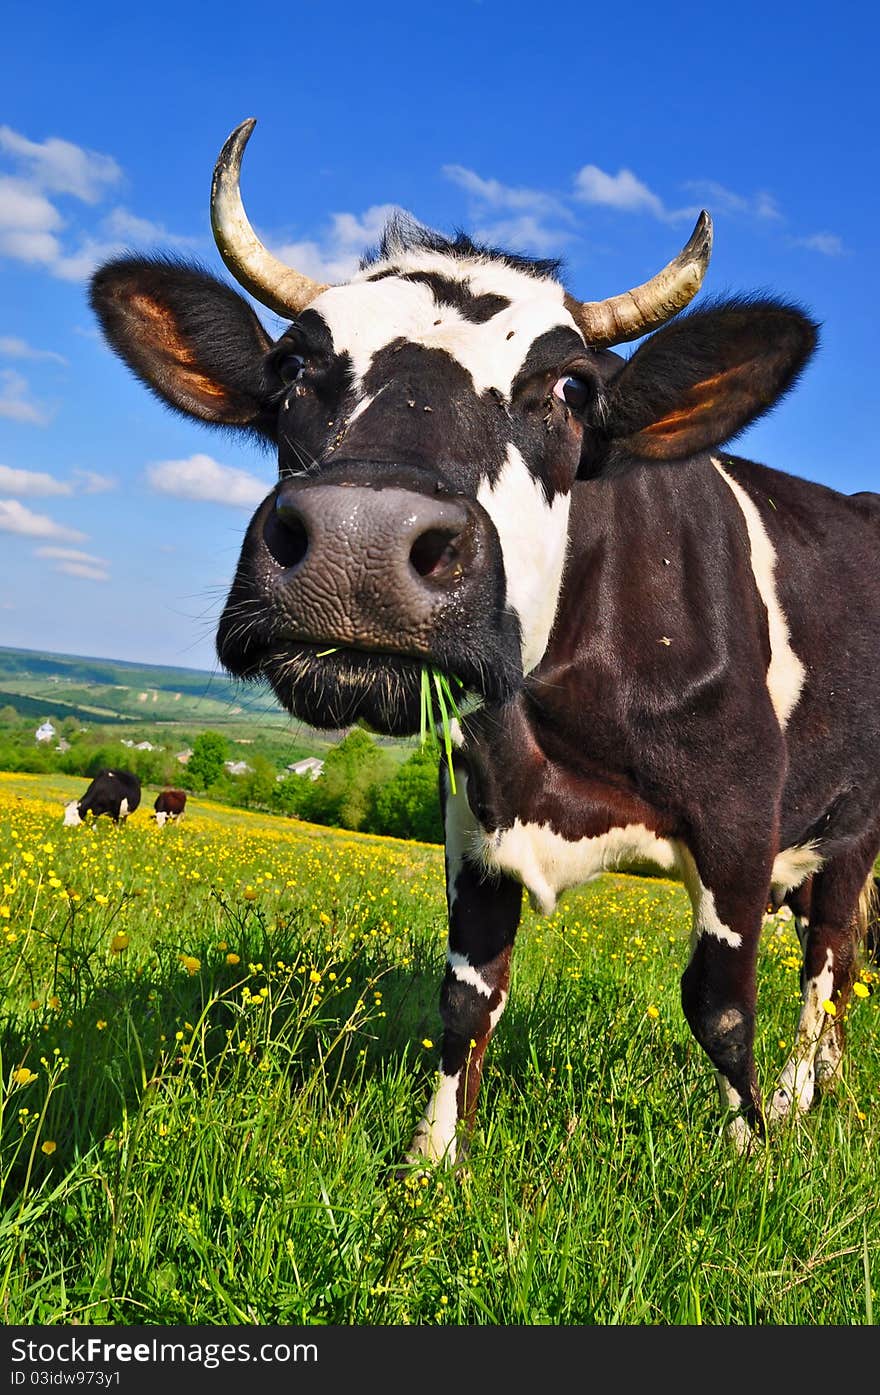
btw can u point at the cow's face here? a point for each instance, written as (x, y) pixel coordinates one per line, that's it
(430, 418)
(429, 428)
(71, 814)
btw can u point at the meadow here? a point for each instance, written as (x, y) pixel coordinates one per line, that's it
(217, 1037)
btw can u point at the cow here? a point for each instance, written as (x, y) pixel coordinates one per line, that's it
(113, 792)
(668, 651)
(169, 804)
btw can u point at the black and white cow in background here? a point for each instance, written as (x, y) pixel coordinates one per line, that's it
(673, 650)
(169, 804)
(113, 792)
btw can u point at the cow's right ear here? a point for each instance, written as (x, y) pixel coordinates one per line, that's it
(191, 338)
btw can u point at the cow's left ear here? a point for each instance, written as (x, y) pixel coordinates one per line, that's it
(702, 379)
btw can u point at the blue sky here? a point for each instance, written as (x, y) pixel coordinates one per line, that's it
(593, 134)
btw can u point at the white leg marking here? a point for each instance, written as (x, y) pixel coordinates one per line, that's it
(798, 1078)
(465, 972)
(706, 920)
(738, 1130)
(434, 1137)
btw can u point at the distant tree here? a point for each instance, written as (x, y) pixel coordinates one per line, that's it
(342, 795)
(408, 805)
(258, 786)
(206, 762)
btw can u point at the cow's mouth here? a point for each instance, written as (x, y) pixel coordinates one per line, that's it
(330, 686)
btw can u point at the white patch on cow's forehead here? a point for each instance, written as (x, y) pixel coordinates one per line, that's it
(534, 538)
(364, 316)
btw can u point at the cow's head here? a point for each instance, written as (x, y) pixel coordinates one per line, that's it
(430, 416)
(71, 814)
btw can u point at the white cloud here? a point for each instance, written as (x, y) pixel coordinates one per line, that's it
(15, 402)
(90, 482)
(34, 483)
(32, 228)
(622, 191)
(62, 167)
(829, 244)
(523, 234)
(71, 554)
(717, 198)
(337, 255)
(204, 479)
(15, 518)
(11, 347)
(72, 562)
(497, 195)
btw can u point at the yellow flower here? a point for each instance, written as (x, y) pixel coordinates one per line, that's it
(100, 1024)
(54, 1002)
(49, 1147)
(314, 976)
(829, 1007)
(652, 1011)
(233, 959)
(250, 894)
(101, 900)
(190, 963)
(119, 942)
(427, 1043)
(861, 990)
(23, 1076)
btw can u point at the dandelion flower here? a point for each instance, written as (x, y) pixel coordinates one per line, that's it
(427, 1043)
(49, 1147)
(829, 1007)
(190, 963)
(861, 990)
(653, 1011)
(233, 958)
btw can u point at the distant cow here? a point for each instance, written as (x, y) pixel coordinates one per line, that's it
(113, 792)
(169, 804)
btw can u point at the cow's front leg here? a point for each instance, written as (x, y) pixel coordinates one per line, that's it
(484, 913)
(718, 989)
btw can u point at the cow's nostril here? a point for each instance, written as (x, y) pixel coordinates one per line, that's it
(286, 537)
(435, 554)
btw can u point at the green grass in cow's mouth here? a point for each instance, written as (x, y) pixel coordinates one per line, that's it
(434, 682)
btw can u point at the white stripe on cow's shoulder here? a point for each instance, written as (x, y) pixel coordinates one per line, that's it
(706, 920)
(534, 538)
(785, 674)
(364, 316)
(548, 864)
(465, 972)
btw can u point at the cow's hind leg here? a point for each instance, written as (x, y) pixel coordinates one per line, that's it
(484, 913)
(830, 942)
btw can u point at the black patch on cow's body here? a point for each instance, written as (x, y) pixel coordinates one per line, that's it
(106, 793)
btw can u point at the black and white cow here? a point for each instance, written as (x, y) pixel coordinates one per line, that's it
(672, 651)
(169, 804)
(113, 792)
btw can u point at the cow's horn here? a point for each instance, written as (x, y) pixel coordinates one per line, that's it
(269, 280)
(627, 316)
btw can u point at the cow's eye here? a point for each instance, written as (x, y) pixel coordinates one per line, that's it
(290, 368)
(572, 390)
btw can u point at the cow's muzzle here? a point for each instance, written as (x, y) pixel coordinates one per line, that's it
(360, 577)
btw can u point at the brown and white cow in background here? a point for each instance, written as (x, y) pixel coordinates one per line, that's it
(672, 651)
(169, 804)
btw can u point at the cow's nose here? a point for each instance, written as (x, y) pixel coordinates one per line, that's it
(430, 537)
(371, 564)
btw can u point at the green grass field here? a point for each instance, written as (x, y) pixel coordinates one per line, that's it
(218, 1036)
